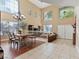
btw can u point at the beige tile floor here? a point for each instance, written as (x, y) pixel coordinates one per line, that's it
(59, 49)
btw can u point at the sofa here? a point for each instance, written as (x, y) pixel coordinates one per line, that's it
(52, 37)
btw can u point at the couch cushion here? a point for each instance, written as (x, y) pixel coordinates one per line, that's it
(51, 34)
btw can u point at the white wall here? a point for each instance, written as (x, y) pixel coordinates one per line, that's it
(77, 26)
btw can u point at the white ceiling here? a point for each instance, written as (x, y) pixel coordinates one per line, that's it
(39, 3)
(62, 3)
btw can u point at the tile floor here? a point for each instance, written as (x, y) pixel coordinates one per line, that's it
(59, 49)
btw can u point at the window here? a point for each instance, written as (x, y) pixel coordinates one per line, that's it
(48, 15)
(48, 28)
(10, 6)
(8, 27)
(66, 12)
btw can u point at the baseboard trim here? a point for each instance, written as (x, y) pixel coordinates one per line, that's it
(77, 49)
(64, 38)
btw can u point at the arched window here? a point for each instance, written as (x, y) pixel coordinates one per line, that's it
(48, 16)
(66, 12)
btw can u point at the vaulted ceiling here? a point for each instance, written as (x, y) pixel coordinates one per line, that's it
(39, 3)
(62, 3)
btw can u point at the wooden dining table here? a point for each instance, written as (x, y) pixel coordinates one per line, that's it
(22, 37)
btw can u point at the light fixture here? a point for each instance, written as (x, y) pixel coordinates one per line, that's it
(19, 17)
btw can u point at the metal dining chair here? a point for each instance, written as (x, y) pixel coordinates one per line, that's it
(13, 39)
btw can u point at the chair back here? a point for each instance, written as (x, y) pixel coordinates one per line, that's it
(13, 35)
(9, 35)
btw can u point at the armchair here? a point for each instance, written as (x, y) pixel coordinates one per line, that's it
(52, 37)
